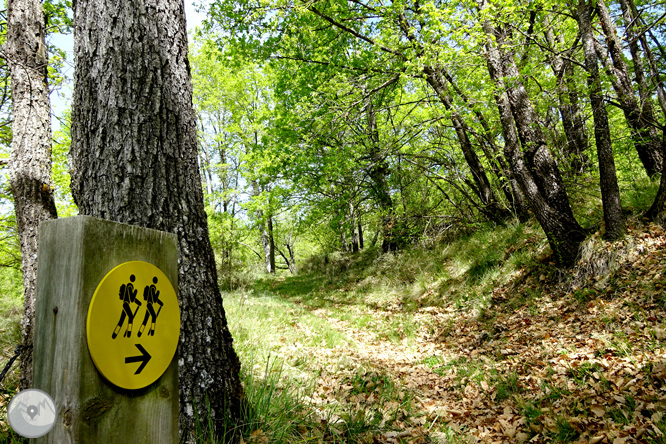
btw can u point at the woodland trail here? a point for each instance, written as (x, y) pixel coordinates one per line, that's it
(579, 360)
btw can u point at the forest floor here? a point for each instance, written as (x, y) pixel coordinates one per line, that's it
(479, 339)
(543, 356)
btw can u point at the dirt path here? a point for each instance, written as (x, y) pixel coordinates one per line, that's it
(585, 367)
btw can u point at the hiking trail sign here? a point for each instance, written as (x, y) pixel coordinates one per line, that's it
(133, 325)
(107, 325)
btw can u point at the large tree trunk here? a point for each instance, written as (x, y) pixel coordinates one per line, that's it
(639, 116)
(534, 167)
(610, 192)
(134, 160)
(30, 159)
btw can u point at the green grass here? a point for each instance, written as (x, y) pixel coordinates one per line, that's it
(507, 386)
(275, 338)
(11, 309)
(11, 312)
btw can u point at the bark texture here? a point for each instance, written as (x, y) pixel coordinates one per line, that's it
(535, 168)
(610, 191)
(134, 160)
(640, 117)
(30, 160)
(509, 184)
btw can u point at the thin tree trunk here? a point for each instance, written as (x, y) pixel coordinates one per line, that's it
(637, 60)
(352, 225)
(512, 192)
(134, 160)
(271, 244)
(640, 119)
(360, 233)
(610, 192)
(630, 15)
(265, 242)
(343, 239)
(378, 173)
(292, 257)
(30, 159)
(572, 122)
(481, 187)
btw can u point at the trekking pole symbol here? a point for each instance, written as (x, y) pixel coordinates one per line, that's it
(127, 295)
(152, 296)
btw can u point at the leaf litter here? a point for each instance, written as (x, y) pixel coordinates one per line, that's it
(582, 361)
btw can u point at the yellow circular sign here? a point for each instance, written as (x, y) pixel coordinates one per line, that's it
(133, 325)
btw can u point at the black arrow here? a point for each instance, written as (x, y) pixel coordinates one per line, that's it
(143, 359)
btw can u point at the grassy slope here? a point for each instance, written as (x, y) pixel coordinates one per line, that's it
(480, 340)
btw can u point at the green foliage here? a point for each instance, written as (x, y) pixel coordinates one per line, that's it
(60, 169)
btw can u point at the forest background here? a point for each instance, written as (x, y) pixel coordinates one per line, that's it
(394, 159)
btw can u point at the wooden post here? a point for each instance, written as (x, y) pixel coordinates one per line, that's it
(75, 254)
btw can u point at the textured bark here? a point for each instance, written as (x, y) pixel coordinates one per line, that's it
(637, 60)
(656, 210)
(639, 116)
(480, 185)
(610, 192)
(534, 166)
(134, 160)
(654, 70)
(30, 159)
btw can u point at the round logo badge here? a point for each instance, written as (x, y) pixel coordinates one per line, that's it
(133, 325)
(31, 413)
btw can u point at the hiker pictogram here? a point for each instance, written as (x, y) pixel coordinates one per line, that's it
(128, 296)
(141, 358)
(152, 296)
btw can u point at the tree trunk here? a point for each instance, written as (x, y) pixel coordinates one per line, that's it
(512, 192)
(637, 61)
(352, 225)
(134, 160)
(292, 257)
(271, 245)
(610, 192)
(481, 185)
(572, 121)
(30, 159)
(360, 233)
(534, 167)
(378, 171)
(343, 239)
(654, 70)
(657, 208)
(639, 118)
